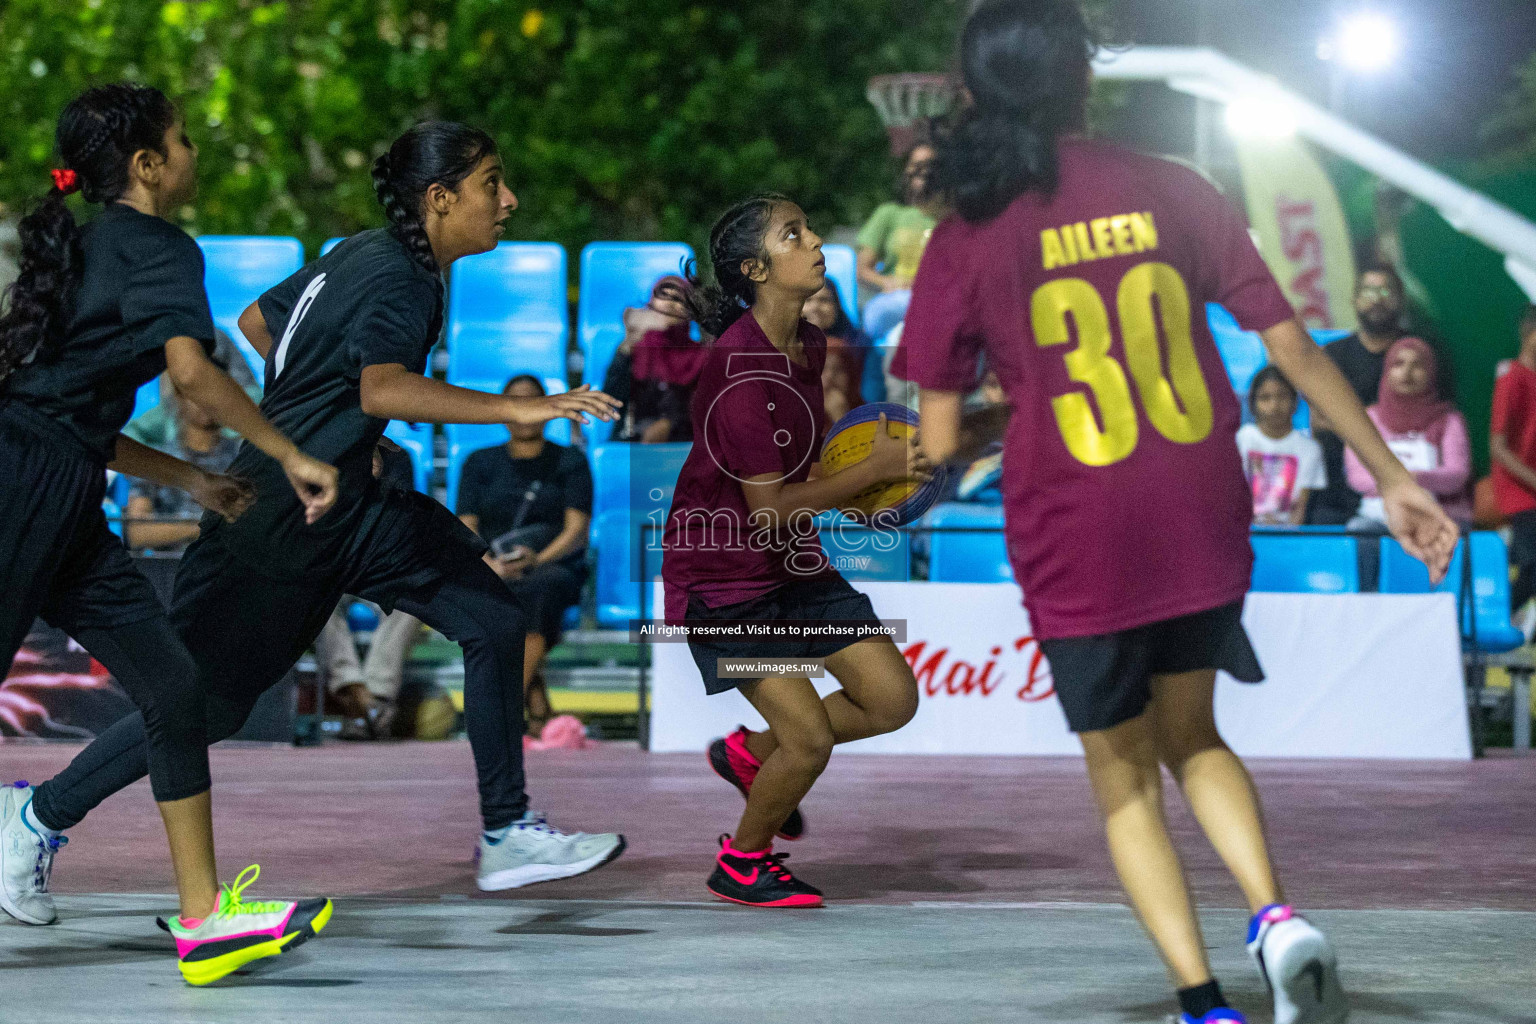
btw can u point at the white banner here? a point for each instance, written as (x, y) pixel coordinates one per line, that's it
(1349, 675)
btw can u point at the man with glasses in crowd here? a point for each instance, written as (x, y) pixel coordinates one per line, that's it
(1362, 359)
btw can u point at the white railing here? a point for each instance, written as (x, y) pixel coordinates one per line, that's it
(1209, 75)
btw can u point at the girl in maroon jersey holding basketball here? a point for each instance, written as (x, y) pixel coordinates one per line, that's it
(741, 546)
(1083, 270)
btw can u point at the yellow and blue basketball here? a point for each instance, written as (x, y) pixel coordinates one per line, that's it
(850, 441)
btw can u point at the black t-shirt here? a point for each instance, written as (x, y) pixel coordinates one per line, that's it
(1362, 368)
(645, 401)
(142, 286)
(365, 303)
(494, 484)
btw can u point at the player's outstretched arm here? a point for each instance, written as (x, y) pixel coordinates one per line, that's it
(392, 392)
(223, 494)
(953, 435)
(1414, 516)
(205, 383)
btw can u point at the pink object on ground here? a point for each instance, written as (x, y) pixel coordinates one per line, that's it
(563, 732)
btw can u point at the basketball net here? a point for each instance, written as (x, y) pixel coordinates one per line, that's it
(905, 101)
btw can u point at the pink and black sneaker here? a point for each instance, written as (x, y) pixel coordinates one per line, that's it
(759, 879)
(734, 763)
(238, 932)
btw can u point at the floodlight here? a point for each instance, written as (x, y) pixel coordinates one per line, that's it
(1367, 41)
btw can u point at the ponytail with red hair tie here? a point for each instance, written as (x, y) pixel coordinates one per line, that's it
(66, 181)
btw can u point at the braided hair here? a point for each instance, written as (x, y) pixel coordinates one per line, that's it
(97, 135)
(1026, 65)
(431, 152)
(736, 237)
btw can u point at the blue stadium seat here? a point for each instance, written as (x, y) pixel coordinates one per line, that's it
(615, 538)
(466, 438)
(967, 556)
(1401, 573)
(1242, 353)
(1302, 563)
(507, 313)
(843, 269)
(860, 553)
(331, 243)
(115, 502)
(635, 476)
(146, 398)
(416, 439)
(615, 276)
(238, 269)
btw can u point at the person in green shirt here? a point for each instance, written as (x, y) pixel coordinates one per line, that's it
(156, 426)
(891, 243)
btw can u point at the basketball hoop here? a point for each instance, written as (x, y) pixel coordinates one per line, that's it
(904, 101)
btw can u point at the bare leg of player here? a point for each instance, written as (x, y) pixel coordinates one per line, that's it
(879, 695)
(798, 717)
(1124, 769)
(1216, 786)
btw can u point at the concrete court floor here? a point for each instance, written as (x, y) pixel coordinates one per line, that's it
(964, 889)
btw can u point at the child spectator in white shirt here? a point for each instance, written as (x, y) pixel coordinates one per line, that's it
(1283, 465)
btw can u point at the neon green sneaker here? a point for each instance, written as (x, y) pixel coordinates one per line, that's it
(237, 933)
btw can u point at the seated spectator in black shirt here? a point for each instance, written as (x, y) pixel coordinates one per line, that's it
(655, 367)
(1361, 357)
(531, 500)
(160, 518)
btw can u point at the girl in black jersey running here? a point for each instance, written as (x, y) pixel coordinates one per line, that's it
(95, 313)
(346, 341)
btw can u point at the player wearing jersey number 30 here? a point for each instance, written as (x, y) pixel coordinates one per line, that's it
(1082, 271)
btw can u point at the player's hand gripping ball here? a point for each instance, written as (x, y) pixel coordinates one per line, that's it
(850, 441)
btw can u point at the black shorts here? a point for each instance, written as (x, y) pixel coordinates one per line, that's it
(825, 597)
(248, 622)
(58, 558)
(1106, 679)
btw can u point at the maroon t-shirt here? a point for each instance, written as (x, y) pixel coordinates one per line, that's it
(755, 411)
(1123, 491)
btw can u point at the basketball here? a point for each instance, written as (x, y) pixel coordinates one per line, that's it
(850, 441)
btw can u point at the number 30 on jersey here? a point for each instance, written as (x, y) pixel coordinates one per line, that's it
(1177, 404)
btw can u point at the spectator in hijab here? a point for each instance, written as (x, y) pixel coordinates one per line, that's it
(1428, 435)
(843, 374)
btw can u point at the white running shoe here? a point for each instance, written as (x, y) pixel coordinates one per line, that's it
(531, 850)
(1299, 967)
(26, 860)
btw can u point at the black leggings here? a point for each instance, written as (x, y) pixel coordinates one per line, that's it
(246, 633)
(59, 561)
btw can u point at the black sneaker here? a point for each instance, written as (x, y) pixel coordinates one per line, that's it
(734, 763)
(759, 879)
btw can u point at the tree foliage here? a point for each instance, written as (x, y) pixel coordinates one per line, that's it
(616, 118)
(1513, 129)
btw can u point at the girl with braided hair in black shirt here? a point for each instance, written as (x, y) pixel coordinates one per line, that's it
(346, 341)
(95, 313)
